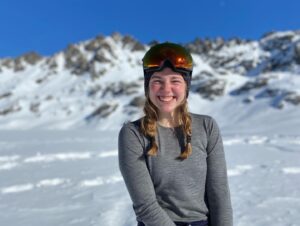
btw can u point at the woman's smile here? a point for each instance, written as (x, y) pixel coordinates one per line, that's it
(167, 90)
(166, 99)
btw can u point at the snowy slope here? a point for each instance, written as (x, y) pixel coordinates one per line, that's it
(60, 116)
(67, 178)
(98, 83)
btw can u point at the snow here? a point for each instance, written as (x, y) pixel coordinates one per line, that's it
(42, 97)
(71, 177)
(58, 168)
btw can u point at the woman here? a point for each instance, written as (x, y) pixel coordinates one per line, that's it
(172, 161)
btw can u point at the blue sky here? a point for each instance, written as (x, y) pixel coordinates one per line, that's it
(48, 26)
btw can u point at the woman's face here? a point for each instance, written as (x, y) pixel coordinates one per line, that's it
(167, 90)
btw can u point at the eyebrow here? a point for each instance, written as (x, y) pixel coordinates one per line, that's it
(155, 76)
(159, 77)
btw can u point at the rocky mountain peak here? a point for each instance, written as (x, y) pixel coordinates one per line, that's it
(95, 79)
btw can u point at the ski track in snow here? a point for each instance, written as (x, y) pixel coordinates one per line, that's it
(10, 162)
(291, 170)
(13, 161)
(239, 170)
(262, 140)
(60, 182)
(119, 207)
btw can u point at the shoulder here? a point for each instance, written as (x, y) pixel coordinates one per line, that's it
(207, 122)
(131, 129)
(198, 118)
(132, 125)
(131, 137)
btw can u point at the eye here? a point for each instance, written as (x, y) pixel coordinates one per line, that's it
(156, 81)
(176, 81)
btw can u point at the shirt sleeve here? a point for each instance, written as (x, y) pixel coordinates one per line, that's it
(134, 170)
(217, 189)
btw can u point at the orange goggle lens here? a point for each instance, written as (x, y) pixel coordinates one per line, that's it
(176, 54)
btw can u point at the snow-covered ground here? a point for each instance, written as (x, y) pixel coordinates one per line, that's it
(58, 129)
(71, 177)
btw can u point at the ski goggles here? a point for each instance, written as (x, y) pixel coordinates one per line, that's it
(179, 57)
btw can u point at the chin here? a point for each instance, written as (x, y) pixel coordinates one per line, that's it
(166, 111)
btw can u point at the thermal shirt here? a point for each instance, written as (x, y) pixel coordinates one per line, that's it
(165, 189)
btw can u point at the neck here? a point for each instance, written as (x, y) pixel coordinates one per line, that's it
(168, 120)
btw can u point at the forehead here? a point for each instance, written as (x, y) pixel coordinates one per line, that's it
(166, 72)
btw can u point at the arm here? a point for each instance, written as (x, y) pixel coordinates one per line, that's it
(134, 170)
(217, 189)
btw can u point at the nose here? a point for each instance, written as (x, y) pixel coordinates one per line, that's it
(166, 86)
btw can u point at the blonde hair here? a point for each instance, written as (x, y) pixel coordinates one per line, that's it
(149, 124)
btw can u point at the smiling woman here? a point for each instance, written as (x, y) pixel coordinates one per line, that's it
(173, 161)
(167, 91)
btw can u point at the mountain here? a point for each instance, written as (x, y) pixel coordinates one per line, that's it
(98, 83)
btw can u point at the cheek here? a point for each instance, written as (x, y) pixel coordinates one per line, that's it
(153, 88)
(151, 92)
(180, 89)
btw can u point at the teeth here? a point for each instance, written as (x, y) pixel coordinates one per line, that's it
(165, 99)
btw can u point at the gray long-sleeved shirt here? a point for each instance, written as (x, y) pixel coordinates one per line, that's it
(164, 189)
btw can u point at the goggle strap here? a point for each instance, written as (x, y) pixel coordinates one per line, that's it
(167, 63)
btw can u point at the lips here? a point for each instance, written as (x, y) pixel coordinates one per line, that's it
(165, 98)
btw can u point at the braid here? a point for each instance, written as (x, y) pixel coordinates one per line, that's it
(149, 125)
(185, 121)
